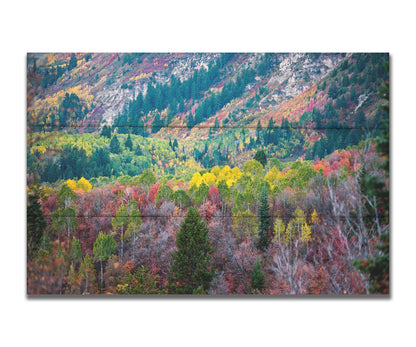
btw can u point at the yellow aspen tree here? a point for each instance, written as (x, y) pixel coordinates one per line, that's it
(224, 174)
(71, 184)
(273, 176)
(245, 222)
(314, 217)
(279, 229)
(196, 180)
(216, 171)
(299, 220)
(84, 184)
(306, 233)
(290, 231)
(209, 178)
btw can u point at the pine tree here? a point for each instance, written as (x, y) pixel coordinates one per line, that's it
(175, 144)
(190, 268)
(72, 62)
(36, 224)
(138, 150)
(258, 279)
(265, 222)
(260, 156)
(141, 129)
(258, 132)
(129, 144)
(106, 131)
(378, 266)
(115, 145)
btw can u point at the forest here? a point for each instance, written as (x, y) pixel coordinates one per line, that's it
(208, 174)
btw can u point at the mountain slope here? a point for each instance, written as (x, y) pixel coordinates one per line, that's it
(220, 108)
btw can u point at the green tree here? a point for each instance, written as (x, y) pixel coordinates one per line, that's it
(104, 247)
(36, 224)
(333, 91)
(115, 145)
(181, 199)
(120, 223)
(72, 62)
(66, 196)
(74, 251)
(191, 268)
(253, 167)
(138, 150)
(258, 132)
(86, 273)
(106, 131)
(265, 222)
(201, 194)
(378, 266)
(225, 195)
(261, 157)
(164, 193)
(135, 223)
(64, 220)
(175, 144)
(129, 143)
(258, 278)
(147, 178)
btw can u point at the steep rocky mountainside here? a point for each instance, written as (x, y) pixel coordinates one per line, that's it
(105, 83)
(219, 109)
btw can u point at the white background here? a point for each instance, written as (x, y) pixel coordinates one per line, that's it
(174, 26)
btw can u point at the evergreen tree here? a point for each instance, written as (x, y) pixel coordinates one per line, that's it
(36, 224)
(157, 123)
(190, 268)
(191, 121)
(106, 131)
(129, 144)
(141, 130)
(378, 266)
(258, 132)
(261, 157)
(72, 62)
(258, 278)
(115, 145)
(265, 221)
(175, 144)
(138, 150)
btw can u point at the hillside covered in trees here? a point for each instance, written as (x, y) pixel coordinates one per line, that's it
(208, 173)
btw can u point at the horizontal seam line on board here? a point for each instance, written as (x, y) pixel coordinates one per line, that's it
(179, 216)
(203, 127)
